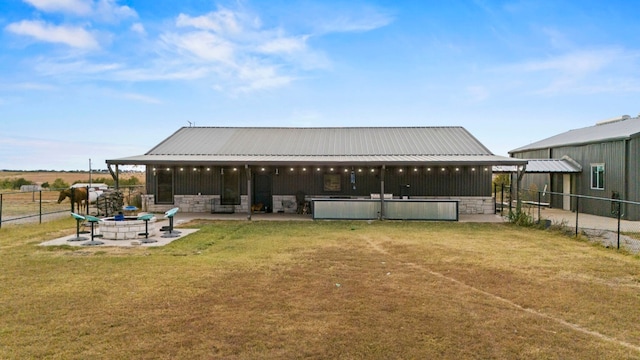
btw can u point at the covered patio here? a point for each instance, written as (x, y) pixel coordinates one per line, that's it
(291, 170)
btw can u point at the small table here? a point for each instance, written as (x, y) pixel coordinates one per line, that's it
(93, 220)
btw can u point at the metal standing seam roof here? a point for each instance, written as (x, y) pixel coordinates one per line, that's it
(564, 166)
(348, 144)
(603, 132)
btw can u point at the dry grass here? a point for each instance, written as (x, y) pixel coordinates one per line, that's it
(16, 204)
(40, 177)
(349, 290)
(19, 204)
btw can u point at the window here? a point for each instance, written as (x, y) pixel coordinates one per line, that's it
(230, 187)
(597, 176)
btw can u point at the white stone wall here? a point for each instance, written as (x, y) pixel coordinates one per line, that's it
(194, 204)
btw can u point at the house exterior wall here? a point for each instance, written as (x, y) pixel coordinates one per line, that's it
(621, 172)
(611, 154)
(633, 176)
(199, 190)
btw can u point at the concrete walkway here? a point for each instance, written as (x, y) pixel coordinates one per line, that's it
(586, 221)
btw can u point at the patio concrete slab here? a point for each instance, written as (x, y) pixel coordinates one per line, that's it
(160, 241)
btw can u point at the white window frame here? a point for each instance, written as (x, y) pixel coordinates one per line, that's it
(598, 170)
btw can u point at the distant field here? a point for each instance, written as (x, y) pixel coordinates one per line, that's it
(69, 177)
(320, 290)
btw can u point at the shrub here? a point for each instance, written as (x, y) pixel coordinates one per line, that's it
(59, 184)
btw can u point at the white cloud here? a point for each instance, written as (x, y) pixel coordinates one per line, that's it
(222, 21)
(138, 28)
(204, 45)
(284, 45)
(68, 69)
(109, 11)
(76, 7)
(28, 86)
(236, 51)
(256, 77)
(229, 48)
(581, 62)
(103, 10)
(582, 71)
(73, 36)
(162, 72)
(346, 18)
(141, 98)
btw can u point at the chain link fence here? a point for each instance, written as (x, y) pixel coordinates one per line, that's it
(608, 221)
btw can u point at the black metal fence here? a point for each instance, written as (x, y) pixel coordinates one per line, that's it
(579, 213)
(38, 206)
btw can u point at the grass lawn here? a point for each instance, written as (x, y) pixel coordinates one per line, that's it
(323, 290)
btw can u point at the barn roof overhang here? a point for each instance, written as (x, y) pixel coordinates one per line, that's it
(566, 165)
(293, 160)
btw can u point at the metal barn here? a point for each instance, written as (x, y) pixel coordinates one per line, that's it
(371, 170)
(606, 156)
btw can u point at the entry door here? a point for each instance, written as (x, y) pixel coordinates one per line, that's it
(566, 189)
(262, 191)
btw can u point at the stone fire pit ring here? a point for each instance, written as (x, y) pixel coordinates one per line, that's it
(128, 229)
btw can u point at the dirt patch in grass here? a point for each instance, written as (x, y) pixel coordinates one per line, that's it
(244, 290)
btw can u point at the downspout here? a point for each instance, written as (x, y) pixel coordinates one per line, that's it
(382, 171)
(249, 198)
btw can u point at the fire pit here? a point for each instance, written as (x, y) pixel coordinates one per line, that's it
(127, 229)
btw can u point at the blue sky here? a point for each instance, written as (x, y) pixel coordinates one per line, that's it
(103, 79)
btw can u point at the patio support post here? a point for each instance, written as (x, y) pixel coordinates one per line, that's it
(114, 175)
(249, 198)
(519, 174)
(382, 171)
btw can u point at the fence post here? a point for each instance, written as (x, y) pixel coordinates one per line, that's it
(619, 216)
(495, 194)
(40, 206)
(0, 211)
(502, 200)
(577, 212)
(539, 201)
(510, 200)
